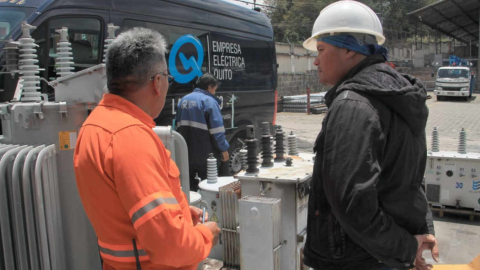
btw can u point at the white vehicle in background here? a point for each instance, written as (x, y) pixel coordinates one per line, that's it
(454, 82)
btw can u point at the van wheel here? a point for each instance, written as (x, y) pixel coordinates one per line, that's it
(235, 162)
(466, 98)
(439, 98)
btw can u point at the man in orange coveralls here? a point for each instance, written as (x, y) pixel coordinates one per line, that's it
(128, 184)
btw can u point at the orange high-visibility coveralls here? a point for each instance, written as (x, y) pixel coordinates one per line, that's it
(130, 189)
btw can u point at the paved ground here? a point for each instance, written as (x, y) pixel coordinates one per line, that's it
(449, 116)
(458, 237)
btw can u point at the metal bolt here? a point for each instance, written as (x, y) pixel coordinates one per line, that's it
(289, 161)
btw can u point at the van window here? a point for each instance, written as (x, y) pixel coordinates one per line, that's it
(172, 34)
(84, 34)
(11, 17)
(453, 73)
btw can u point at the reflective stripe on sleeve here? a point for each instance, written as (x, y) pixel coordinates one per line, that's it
(151, 205)
(216, 130)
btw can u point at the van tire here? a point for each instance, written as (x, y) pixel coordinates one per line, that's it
(234, 163)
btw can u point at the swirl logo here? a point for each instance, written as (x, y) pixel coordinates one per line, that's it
(191, 65)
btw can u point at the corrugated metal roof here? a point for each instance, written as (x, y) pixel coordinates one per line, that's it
(455, 18)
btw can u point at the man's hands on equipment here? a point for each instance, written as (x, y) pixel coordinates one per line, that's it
(197, 215)
(225, 156)
(425, 242)
(214, 229)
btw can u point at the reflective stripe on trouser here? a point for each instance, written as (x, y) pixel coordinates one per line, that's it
(151, 205)
(121, 253)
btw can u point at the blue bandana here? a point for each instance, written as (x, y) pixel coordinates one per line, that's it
(349, 42)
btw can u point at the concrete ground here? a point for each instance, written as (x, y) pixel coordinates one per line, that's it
(458, 237)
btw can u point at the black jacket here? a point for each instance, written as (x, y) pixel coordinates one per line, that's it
(366, 200)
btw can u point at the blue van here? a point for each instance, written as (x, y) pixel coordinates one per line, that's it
(233, 43)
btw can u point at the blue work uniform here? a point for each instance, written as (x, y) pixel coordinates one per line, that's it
(199, 120)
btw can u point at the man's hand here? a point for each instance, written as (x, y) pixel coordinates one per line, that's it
(197, 214)
(425, 242)
(225, 156)
(215, 231)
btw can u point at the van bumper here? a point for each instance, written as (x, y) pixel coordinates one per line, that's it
(452, 93)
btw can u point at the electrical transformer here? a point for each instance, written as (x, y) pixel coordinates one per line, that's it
(453, 178)
(289, 182)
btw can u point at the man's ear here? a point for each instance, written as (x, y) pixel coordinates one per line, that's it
(350, 54)
(157, 86)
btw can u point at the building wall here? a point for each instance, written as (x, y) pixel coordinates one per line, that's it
(301, 58)
(294, 78)
(290, 84)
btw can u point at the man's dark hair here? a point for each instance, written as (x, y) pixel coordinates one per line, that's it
(207, 80)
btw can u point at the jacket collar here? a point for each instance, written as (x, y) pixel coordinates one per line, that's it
(118, 102)
(199, 90)
(371, 60)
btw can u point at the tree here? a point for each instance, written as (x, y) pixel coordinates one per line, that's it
(292, 20)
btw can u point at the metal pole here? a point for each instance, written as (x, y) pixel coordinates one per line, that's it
(470, 50)
(308, 100)
(453, 46)
(292, 55)
(309, 62)
(478, 61)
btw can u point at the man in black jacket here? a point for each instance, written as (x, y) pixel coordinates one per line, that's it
(367, 209)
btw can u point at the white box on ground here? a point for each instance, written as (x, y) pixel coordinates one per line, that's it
(453, 179)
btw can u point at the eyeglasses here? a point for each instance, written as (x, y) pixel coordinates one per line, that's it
(169, 77)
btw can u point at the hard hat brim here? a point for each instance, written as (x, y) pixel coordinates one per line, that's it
(311, 43)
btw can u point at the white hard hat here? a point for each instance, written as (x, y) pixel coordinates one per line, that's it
(345, 17)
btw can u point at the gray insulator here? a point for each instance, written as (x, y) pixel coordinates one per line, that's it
(279, 148)
(243, 158)
(28, 65)
(212, 171)
(111, 36)
(267, 155)
(292, 144)
(435, 141)
(251, 141)
(462, 145)
(11, 53)
(64, 51)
